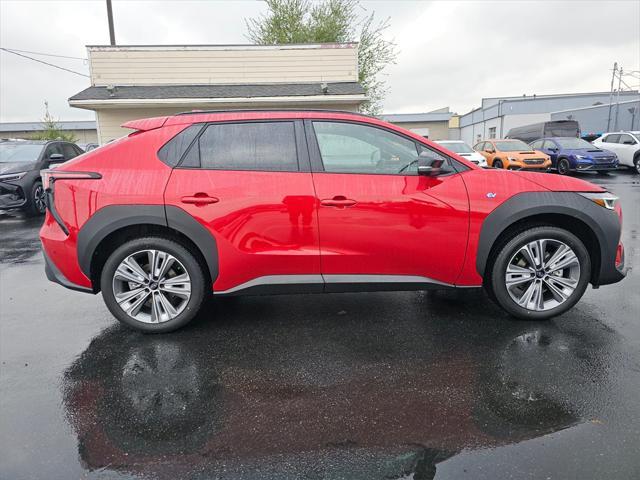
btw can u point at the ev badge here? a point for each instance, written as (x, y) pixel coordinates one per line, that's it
(491, 195)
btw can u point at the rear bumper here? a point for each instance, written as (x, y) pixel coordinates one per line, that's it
(56, 276)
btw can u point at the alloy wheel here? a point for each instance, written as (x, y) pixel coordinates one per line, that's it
(542, 274)
(38, 199)
(152, 286)
(563, 167)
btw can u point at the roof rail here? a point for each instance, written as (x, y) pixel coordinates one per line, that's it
(244, 110)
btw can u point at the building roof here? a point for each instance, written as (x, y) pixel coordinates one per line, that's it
(435, 116)
(38, 126)
(161, 92)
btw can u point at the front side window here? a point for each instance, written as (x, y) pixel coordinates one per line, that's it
(68, 151)
(538, 144)
(261, 146)
(353, 148)
(612, 138)
(53, 149)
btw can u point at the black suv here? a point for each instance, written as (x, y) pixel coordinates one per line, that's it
(20, 165)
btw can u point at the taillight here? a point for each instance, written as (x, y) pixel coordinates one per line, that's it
(49, 178)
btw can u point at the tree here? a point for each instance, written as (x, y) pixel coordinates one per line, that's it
(301, 21)
(52, 130)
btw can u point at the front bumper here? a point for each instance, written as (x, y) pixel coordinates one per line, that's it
(11, 196)
(583, 167)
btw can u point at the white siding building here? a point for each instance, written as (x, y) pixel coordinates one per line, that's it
(130, 82)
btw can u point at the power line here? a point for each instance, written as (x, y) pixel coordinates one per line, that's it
(45, 54)
(46, 63)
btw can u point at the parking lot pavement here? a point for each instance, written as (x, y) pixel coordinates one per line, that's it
(354, 386)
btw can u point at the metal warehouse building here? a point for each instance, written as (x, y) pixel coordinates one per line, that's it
(593, 120)
(497, 115)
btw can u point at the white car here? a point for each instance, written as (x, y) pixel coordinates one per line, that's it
(626, 145)
(464, 150)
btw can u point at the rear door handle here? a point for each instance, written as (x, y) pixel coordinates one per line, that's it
(199, 199)
(339, 201)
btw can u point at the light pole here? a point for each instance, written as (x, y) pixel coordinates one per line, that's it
(112, 35)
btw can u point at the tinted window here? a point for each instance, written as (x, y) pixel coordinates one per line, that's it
(264, 146)
(68, 151)
(626, 139)
(53, 148)
(353, 148)
(172, 151)
(611, 138)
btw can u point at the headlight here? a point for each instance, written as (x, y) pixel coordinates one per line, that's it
(512, 159)
(604, 199)
(582, 157)
(12, 176)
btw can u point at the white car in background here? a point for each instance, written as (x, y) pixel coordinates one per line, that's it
(626, 145)
(464, 150)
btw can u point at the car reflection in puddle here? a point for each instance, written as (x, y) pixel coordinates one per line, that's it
(286, 399)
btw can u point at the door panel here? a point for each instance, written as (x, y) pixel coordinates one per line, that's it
(263, 222)
(398, 225)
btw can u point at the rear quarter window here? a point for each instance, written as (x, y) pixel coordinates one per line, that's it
(172, 151)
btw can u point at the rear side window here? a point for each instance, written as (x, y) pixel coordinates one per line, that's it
(69, 151)
(172, 151)
(260, 146)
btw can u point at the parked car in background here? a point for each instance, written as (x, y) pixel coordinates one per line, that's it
(626, 145)
(234, 202)
(552, 128)
(512, 155)
(20, 165)
(570, 154)
(87, 147)
(464, 150)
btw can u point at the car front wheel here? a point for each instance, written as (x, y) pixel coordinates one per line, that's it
(563, 166)
(153, 284)
(540, 273)
(37, 204)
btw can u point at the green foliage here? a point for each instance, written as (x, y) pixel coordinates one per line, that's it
(329, 21)
(51, 129)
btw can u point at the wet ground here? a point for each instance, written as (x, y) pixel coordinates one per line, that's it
(354, 386)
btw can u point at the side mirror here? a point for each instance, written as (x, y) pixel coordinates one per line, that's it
(429, 166)
(56, 157)
(553, 149)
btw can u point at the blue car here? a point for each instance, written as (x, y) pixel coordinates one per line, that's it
(574, 154)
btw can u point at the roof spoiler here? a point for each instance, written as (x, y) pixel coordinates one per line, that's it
(145, 124)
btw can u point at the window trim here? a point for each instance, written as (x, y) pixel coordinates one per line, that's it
(317, 165)
(302, 155)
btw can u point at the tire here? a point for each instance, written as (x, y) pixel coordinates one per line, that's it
(636, 164)
(563, 166)
(149, 310)
(36, 205)
(497, 163)
(509, 255)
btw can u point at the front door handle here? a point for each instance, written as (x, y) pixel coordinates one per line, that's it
(199, 199)
(339, 201)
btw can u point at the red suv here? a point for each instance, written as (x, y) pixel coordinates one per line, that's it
(255, 202)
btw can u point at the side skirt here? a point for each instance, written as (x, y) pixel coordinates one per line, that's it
(288, 284)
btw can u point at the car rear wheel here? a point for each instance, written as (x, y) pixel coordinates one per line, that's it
(563, 166)
(37, 205)
(153, 284)
(540, 273)
(497, 163)
(636, 164)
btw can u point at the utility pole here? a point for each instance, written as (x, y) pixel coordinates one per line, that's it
(618, 98)
(613, 76)
(632, 111)
(112, 35)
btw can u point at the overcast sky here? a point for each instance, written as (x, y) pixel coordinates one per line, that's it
(450, 53)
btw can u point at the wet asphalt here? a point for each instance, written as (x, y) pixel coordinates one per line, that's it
(414, 385)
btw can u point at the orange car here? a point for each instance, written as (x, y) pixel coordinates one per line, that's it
(512, 155)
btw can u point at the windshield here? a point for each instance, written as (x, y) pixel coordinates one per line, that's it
(16, 152)
(513, 146)
(576, 143)
(457, 147)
